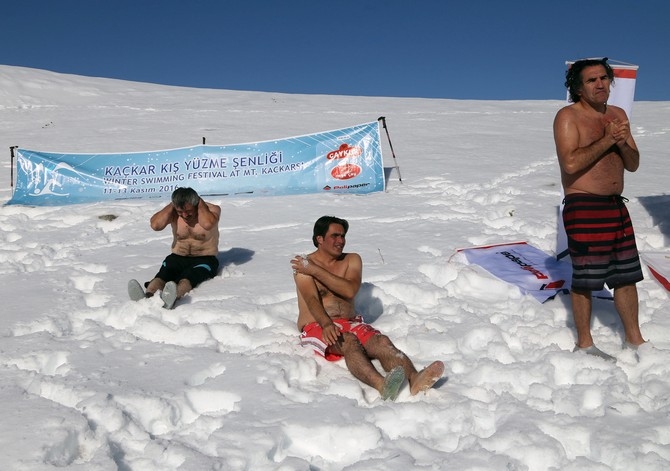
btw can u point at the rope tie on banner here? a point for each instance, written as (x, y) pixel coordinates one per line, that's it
(395, 161)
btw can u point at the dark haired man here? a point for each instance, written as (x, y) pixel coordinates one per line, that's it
(594, 147)
(327, 281)
(195, 245)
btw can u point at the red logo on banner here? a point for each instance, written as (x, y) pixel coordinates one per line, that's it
(554, 285)
(346, 171)
(344, 151)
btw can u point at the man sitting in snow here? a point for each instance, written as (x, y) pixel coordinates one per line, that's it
(327, 281)
(195, 245)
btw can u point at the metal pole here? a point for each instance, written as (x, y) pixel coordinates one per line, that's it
(11, 166)
(383, 120)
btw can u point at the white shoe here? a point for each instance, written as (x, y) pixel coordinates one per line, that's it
(169, 294)
(392, 383)
(135, 290)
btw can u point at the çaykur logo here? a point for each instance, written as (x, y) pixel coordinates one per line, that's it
(345, 170)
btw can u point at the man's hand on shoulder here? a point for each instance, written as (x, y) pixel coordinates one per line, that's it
(301, 264)
(208, 214)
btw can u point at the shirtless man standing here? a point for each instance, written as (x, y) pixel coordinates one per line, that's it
(195, 245)
(594, 146)
(327, 281)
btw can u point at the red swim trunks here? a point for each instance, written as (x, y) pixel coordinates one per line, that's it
(312, 335)
(601, 242)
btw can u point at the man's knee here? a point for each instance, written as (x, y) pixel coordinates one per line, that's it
(186, 283)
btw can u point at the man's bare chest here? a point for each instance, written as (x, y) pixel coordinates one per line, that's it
(184, 231)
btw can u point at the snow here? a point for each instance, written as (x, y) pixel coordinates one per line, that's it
(92, 381)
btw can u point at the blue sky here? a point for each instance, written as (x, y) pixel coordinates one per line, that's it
(476, 49)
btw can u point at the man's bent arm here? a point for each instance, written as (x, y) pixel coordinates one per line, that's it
(630, 157)
(208, 215)
(346, 287)
(309, 293)
(627, 147)
(162, 218)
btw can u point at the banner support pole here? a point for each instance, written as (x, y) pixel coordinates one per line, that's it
(11, 166)
(388, 137)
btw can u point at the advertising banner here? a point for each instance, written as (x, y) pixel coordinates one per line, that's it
(347, 160)
(659, 266)
(622, 93)
(529, 268)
